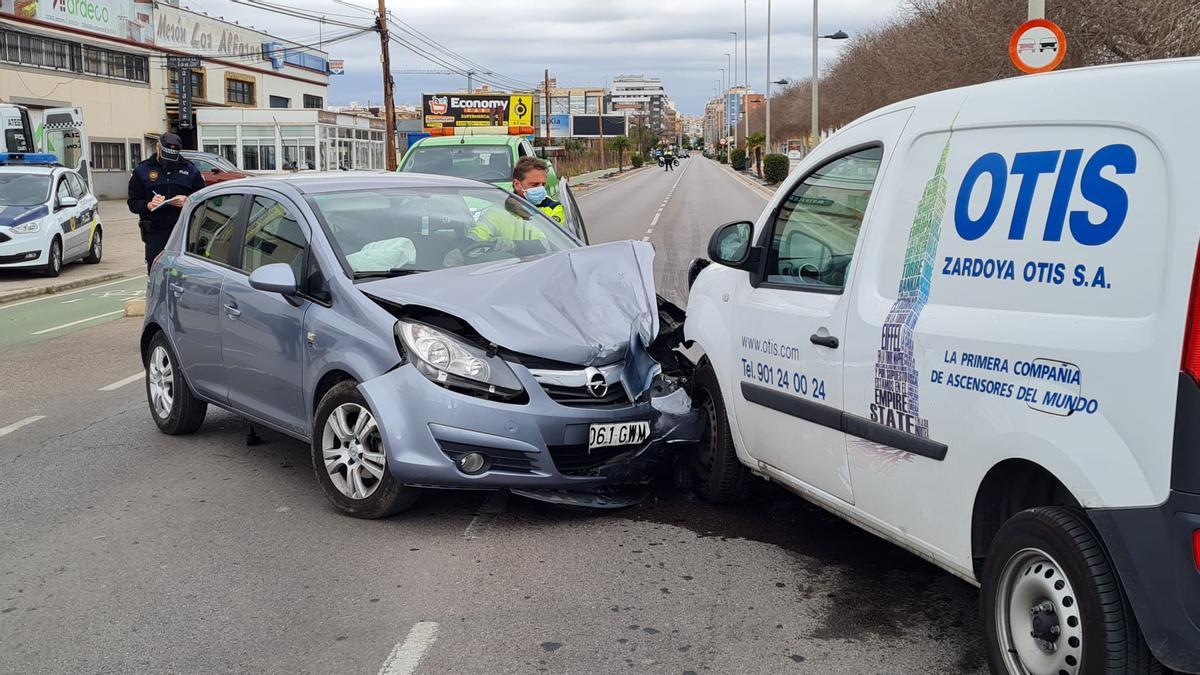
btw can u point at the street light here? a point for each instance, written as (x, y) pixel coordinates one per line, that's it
(733, 80)
(840, 35)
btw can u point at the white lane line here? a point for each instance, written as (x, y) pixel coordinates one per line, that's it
(495, 503)
(121, 383)
(55, 296)
(407, 654)
(645, 238)
(655, 221)
(76, 323)
(4, 431)
(650, 231)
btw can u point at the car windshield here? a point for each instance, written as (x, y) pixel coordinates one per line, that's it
(392, 231)
(487, 163)
(24, 189)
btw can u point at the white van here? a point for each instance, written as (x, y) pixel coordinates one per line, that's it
(970, 323)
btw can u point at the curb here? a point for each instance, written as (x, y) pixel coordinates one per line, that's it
(750, 182)
(59, 287)
(609, 174)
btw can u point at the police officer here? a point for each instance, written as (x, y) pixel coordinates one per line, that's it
(668, 158)
(158, 189)
(529, 181)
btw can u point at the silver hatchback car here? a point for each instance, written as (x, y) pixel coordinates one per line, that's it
(417, 331)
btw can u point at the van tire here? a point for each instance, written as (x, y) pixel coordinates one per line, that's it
(718, 476)
(1091, 597)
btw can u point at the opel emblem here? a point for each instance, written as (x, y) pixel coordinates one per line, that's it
(596, 384)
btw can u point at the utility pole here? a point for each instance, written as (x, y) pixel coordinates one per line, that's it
(746, 69)
(1037, 9)
(816, 129)
(389, 103)
(547, 113)
(768, 125)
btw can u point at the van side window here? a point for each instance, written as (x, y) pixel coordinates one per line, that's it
(78, 190)
(212, 226)
(817, 226)
(273, 236)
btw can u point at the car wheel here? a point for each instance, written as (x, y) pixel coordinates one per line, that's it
(54, 264)
(1052, 602)
(718, 475)
(349, 458)
(97, 248)
(172, 405)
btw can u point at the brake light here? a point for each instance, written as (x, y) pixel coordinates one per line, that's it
(1191, 335)
(1196, 548)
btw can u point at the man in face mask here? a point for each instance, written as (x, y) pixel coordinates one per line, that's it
(158, 189)
(529, 181)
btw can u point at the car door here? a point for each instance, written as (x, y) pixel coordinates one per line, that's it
(66, 216)
(194, 281)
(86, 212)
(262, 333)
(792, 317)
(572, 216)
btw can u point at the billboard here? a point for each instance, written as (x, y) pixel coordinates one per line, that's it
(588, 126)
(125, 19)
(447, 111)
(560, 126)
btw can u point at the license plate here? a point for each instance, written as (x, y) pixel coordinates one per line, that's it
(621, 433)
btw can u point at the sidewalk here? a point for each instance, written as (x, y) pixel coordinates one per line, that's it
(123, 256)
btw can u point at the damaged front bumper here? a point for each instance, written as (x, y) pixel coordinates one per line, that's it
(536, 447)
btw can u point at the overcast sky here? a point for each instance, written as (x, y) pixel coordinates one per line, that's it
(582, 42)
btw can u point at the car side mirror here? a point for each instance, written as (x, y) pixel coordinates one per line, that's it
(274, 278)
(731, 246)
(67, 202)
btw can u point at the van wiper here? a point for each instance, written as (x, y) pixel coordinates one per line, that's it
(394, 272)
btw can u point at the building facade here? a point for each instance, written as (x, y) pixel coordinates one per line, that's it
(642, 99)
(109, 58)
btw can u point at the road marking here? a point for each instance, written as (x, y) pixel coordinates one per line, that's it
(76, 323)
(121, 383)
(655, 221)
(645, 238)
(495, 503)
(4, 431)
(631, 174)
(407, 654)
(67, 302)
(55, 296)
(650, 231)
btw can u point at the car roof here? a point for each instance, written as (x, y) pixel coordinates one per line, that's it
(31, 169)
(316, 182)
(481, 139)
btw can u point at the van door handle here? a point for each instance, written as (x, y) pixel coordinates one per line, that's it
(232, 310)
(824, 340)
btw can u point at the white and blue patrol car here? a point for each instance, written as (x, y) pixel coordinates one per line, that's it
(48, 216)
(970, 323)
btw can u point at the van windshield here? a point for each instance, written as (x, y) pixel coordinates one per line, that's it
(487, 163)
(24, 189)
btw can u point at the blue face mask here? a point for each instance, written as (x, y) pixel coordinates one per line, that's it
(536, 195)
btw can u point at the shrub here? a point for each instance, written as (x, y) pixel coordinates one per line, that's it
(775, 167)
(722, 158)
(636, 160)
(737, 159)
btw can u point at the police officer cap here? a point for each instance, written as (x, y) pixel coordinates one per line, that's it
(170, 145)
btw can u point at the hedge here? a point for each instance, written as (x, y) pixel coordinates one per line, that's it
(775, 167)
(737, 159)
(637, 160)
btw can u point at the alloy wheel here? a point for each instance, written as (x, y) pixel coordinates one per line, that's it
(97, 245)
(161, 374)
(353, 451)
(1037, 616)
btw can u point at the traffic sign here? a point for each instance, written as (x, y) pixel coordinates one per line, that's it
(1038, 46)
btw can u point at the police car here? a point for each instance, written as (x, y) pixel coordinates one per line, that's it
(48, 216)
(971, 325)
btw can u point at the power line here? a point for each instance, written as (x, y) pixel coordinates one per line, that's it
(473, 65)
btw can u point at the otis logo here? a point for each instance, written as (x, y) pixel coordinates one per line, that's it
(439, 105)
(1093, 186)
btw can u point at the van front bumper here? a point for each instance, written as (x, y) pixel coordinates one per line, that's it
(1151, 548)
(535, 445)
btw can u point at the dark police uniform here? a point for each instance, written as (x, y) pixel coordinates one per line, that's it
(152, 177)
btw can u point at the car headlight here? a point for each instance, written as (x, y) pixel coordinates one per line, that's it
(454, 362)
(29, 228)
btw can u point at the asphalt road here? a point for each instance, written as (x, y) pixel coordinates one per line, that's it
(126, 551)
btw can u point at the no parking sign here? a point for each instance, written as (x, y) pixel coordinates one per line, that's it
(1039, 45)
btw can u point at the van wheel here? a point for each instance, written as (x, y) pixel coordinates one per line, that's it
(1052, 603)
(174, 408)
(718, 475)
(349, 458)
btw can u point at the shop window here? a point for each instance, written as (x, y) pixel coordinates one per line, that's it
(311, 102)
(258, 148)
(239, 92)
(108, 156)
(299, 148)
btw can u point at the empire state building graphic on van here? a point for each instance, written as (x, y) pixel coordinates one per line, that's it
(897, 403)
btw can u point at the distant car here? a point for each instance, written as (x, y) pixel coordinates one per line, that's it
(214, 168)
(364, 314)
(48, 216)
(489, 158)
(683, 154)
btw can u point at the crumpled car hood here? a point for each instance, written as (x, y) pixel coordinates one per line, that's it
(584, 306)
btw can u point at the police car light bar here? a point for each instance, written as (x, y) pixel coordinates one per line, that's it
(28, 159)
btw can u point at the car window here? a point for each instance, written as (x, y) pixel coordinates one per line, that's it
(212, 226)
(272, 236)
(522, 151)
(316, 284)
(425, 228)
(203, 165)
(817, 226)
(64, 189)
(78, 189)
(487, 163)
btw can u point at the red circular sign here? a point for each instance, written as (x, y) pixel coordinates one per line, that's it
(1037, 46)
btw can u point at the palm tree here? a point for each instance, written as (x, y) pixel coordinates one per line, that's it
(619, 144)
(642, 138)
(754, 144)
